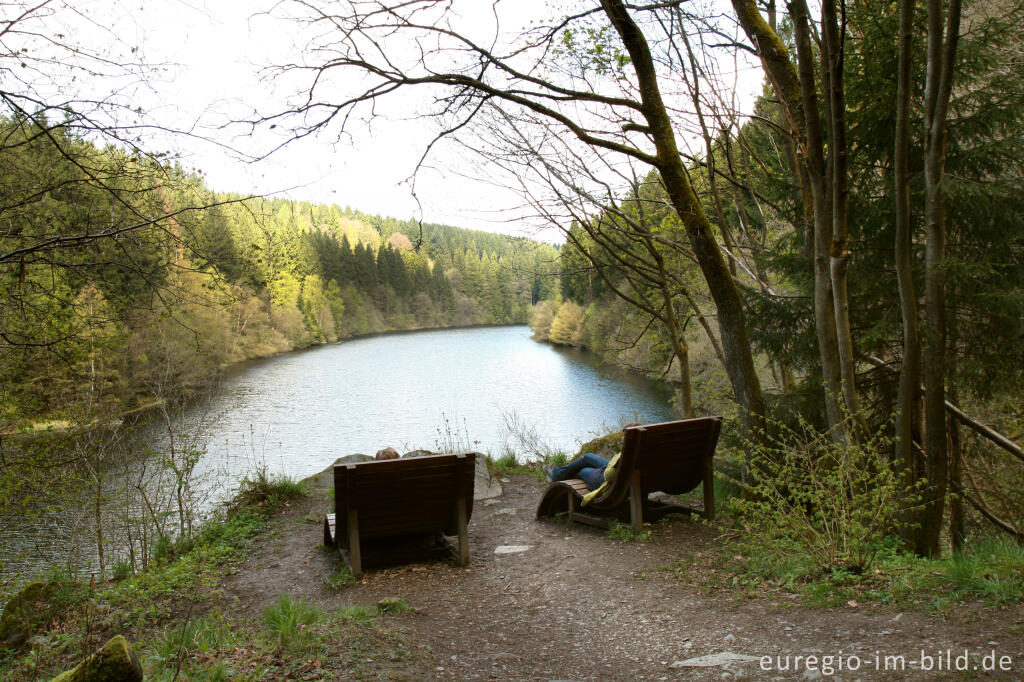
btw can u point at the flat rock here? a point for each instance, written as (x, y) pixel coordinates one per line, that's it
(511, 549)
(712, 660)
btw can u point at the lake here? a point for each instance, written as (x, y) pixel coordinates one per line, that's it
(490, 389)
(299, 412)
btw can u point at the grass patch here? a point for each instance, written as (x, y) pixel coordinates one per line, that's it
(265, 491)
(358, 613)
(624, 533)
(184, 573)
(340, 578)
(291, 624)
(392, 605)
(991, 572)
(509, 464)
(294, 640)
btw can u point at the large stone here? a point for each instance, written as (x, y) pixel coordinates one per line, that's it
(485, 486)
(606, 446)
(325, 479)
(115, 662)
(29, 611)
(353, 458)
(419, 453)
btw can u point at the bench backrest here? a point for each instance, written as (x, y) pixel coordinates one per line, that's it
(404, 496)
(670, 456)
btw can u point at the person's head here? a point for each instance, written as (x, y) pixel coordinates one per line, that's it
(387, 453)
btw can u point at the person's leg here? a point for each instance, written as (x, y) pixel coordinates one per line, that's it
(592, 476)
(573, 469)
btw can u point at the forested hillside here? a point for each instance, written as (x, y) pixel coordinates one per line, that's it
(126, 280)
(875, 250)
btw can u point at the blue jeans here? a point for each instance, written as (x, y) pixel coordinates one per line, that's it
(589, 467)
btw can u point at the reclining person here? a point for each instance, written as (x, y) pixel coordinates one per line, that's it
(594, 470)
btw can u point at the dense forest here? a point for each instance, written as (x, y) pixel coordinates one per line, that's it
(836, 264)
(865, 258)
(222, 278)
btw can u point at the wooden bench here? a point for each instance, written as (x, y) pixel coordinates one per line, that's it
(397, 498)
(672, 457)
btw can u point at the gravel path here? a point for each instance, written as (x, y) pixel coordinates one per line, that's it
(579, 605)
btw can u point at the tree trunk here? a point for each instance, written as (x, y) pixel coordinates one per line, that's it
(798, 94)
(938, 86)
(910, 368)
(839, 254)
(735, 342)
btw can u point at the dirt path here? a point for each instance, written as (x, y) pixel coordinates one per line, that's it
(579, 605)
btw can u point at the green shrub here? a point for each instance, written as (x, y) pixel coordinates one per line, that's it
(121, 570)
(837, 503)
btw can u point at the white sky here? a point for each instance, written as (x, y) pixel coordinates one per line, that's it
(219, 46)
(215, 49)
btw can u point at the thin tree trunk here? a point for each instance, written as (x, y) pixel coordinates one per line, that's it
(910, 368)
(839, 256)
(957, 521)
(824, 301)
(731, 320)
(797, 90)
(938, 86)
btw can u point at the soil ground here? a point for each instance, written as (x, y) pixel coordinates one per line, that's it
(578, 604)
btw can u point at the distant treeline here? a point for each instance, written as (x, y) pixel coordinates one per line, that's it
(125, 279)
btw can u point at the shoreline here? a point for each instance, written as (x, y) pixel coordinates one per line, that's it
(62, 427)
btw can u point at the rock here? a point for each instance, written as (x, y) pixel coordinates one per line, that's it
(485, 486)
(325, 479)
(511, 549)
(392, 605)
(713, 660)
(115, 662)
(419, 453)
(28, 611)
(606, 446)
(354, 458)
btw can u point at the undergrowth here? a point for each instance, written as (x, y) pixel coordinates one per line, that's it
(989, 572)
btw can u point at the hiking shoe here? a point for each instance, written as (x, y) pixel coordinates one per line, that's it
(549, 472)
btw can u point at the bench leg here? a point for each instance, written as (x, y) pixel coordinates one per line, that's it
(709, 490)
(355, 558)
(463, 558)
(636, 502)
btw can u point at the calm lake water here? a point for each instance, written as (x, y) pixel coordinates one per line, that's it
(296, 413)
(299, 412)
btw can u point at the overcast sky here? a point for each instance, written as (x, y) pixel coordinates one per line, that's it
(214, 50)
